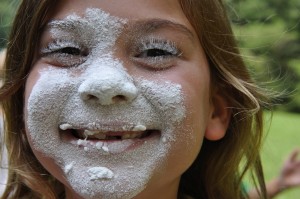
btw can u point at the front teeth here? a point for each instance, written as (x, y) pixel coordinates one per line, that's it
(137, 132)
(91, 133)
(100, 136)
(103, 136)
(126, 136)
(132, 135)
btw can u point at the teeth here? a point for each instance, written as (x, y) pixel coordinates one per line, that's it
(96, 134)
(88, 132)
(91, 133)
(132, 135)
(100, 136)
(105, 135)
(135, 135)
(126, 136)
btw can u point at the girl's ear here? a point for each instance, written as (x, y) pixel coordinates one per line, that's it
(219, 118)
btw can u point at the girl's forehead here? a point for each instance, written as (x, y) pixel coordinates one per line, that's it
(97, 20)
(125, 9)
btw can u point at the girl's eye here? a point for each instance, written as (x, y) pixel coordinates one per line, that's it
(69, 51)
(64, 53)
(156, 53)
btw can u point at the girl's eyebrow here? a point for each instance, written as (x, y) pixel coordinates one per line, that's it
(150, 25)
(64, 24)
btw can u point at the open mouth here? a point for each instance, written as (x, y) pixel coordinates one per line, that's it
(122, 135)
(139, 132)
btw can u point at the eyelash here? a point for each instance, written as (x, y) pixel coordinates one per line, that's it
(156, 53)
(166, 46)
(64, 53)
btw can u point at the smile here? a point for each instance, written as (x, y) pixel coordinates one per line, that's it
(110, 134)
(91, 135)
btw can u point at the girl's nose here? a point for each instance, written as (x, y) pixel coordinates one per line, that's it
(108, 89)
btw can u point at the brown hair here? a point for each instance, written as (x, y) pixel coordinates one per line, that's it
(27, 178)
(216, 173)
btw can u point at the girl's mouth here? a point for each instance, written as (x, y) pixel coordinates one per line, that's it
(110, 135)
(112, 138)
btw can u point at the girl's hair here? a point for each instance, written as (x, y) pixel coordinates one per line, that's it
(220, 166)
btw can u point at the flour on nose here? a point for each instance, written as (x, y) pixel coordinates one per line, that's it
(107, 82)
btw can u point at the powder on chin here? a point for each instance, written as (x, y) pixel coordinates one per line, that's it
(98, 173)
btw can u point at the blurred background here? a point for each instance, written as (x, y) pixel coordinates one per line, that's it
(268, 32)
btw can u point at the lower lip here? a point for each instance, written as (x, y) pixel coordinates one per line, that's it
(107, 147)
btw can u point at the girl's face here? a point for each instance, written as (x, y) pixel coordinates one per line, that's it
(118, 99)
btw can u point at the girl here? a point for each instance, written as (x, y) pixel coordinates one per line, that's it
(128, 99)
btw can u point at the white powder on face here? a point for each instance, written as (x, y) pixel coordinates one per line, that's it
(105, 148)
(61, 99)
(99, 145)
(65, 126)
(68, 167)
(99, 173)
(164, 139)
(82, 142)
(139, 128)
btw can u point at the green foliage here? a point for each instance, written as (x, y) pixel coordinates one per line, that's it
(268, 33)
(248, 11)
(7, 9)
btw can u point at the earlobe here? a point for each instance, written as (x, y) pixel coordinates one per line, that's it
(219, 119)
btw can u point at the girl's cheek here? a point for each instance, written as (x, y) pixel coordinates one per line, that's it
(30, 82)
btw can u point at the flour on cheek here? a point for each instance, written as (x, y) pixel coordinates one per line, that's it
(61, 102)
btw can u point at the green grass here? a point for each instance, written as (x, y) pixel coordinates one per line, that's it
(283, 136)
